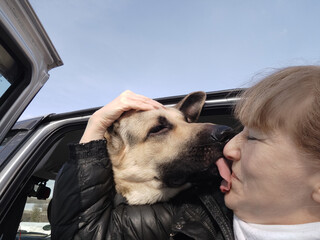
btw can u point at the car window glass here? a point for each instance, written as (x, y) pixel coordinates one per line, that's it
(4, 84)
(34, 222)
(15, 76)
(9, 70)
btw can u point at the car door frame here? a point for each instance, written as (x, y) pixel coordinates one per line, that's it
(26, 39)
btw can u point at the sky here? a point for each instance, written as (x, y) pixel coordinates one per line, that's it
(169, 47)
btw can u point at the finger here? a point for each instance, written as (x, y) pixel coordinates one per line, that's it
(147, 103)
(145, 100)
(129, 100)
(138, 105)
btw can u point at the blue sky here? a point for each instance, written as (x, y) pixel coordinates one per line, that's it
(169, 47)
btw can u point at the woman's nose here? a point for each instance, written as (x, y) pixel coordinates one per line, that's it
(232, 149)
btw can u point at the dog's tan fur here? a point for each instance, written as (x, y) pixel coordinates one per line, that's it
(142, 141)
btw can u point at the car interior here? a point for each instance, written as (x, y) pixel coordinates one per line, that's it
(27, 217)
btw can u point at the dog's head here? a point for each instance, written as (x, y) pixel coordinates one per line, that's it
(155, 154)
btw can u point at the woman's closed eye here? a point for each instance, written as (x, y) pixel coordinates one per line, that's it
(250, 138)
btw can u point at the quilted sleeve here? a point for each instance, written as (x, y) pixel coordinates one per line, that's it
(83, 196)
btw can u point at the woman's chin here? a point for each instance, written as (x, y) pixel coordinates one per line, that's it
(230, 199)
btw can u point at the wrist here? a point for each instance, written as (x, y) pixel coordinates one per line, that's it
(94, 130)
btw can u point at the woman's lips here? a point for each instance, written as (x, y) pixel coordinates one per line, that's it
(233, 175)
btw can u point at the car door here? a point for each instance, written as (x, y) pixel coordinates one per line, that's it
(26, 56)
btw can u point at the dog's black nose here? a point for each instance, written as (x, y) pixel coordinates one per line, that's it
(222, 133)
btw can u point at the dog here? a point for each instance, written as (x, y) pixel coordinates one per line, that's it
(158, 153)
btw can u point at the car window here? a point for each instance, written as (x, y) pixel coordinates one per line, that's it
(34, 223)
(7, 72)
(15, 77)
(11, 72)
(4, 84)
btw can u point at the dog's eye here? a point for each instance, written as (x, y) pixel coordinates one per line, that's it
(158, 130)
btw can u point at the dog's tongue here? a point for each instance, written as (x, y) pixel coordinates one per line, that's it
(225, 173)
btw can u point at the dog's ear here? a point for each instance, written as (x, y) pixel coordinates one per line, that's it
(115, 144)
(191, 105)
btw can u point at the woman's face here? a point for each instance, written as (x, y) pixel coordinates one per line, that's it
(271, 181)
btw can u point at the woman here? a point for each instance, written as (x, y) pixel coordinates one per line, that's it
(275, 179)
(276, 158)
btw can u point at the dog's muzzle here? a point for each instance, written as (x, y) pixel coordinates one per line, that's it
(198, 163)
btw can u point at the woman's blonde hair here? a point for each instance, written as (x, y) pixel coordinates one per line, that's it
(288, 100)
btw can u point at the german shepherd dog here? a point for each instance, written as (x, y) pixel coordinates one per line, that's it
(156, 154)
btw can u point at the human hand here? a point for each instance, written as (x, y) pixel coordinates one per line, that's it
(105, 116)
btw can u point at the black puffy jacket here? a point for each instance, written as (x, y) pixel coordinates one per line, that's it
(85, 206)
